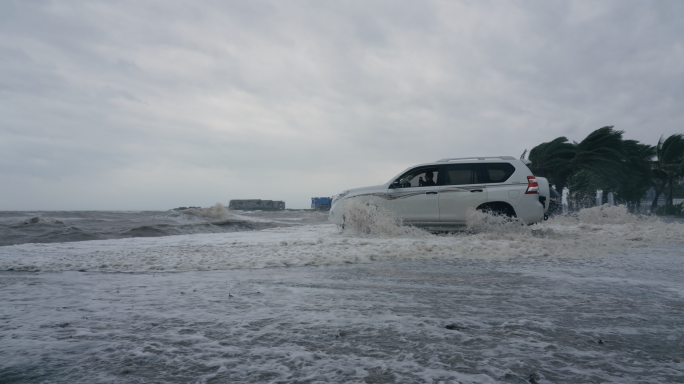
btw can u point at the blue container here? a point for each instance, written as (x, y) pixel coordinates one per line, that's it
(321, 203)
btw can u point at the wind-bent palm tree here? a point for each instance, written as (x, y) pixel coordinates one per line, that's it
(583, 185)
(669, 164)
(639, 170)
(599, 161)
(550, 160)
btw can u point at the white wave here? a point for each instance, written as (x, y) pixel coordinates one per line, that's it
(611, 215)
(38, 220)
(367, 220)
(281, 217)
(323, 244)
(250, 218)
(494, 225)
(218, 211)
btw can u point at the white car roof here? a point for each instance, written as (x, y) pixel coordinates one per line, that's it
(478, 158)
(466, 159)
(472, 159)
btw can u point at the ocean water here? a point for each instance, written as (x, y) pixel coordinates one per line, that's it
(19, 227)
(597, 297)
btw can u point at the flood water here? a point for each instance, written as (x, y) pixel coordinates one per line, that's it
(596, 298)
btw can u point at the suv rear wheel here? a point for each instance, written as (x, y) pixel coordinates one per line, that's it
(498, 208)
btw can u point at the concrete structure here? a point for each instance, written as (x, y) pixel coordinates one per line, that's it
(321, 203)
(256, 204)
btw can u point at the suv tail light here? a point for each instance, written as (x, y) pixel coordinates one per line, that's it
(532, 185)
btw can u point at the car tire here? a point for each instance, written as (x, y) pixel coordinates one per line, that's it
(498, 208)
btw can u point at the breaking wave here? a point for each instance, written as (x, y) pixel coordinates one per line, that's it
(38, 220)
(221, 226)
(218, 211)
(69, 226)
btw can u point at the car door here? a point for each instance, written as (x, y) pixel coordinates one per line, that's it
(414, 196)
(496, 176)
(462, 188)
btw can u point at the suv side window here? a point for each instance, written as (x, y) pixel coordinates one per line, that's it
(419, 177)
(496, 172)
(459, 174)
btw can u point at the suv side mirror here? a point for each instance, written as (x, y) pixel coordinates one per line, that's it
(395, 184)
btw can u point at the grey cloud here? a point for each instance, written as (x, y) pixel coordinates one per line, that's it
(339, 94)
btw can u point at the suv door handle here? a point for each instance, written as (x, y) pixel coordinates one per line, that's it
(431, 193)
(475, 190)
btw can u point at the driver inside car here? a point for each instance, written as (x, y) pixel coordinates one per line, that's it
(428, 182)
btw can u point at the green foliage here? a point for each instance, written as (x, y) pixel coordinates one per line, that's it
(597, 162)
(678, 189)
(584, 183)
(671, 150)
(639, 170)
(602, 154)
(671, 209)
(604, 161)
(551, 160)
(669, 164)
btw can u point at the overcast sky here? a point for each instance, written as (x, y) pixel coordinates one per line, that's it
(160, 104)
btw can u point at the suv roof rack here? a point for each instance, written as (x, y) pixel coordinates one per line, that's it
(478, 158)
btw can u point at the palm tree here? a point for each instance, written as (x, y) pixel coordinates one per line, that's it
(602, 153)
(550, 160)
(669, 164)
(638, 166)
(583, 185)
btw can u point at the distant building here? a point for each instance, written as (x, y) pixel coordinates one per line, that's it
(321, 203)
(256, 204)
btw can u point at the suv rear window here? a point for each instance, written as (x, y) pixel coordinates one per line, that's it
(459, 174)
(496, 172)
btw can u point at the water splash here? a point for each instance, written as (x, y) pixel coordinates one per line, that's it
(479, 222)
(606, 214)
(367, 220)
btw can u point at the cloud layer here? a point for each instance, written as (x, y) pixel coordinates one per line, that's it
(154, 105)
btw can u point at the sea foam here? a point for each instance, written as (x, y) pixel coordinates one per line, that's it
(594, 232)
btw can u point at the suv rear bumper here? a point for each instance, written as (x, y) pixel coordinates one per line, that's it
(530, 210)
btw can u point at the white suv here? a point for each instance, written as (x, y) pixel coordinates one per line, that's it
(437, 195)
